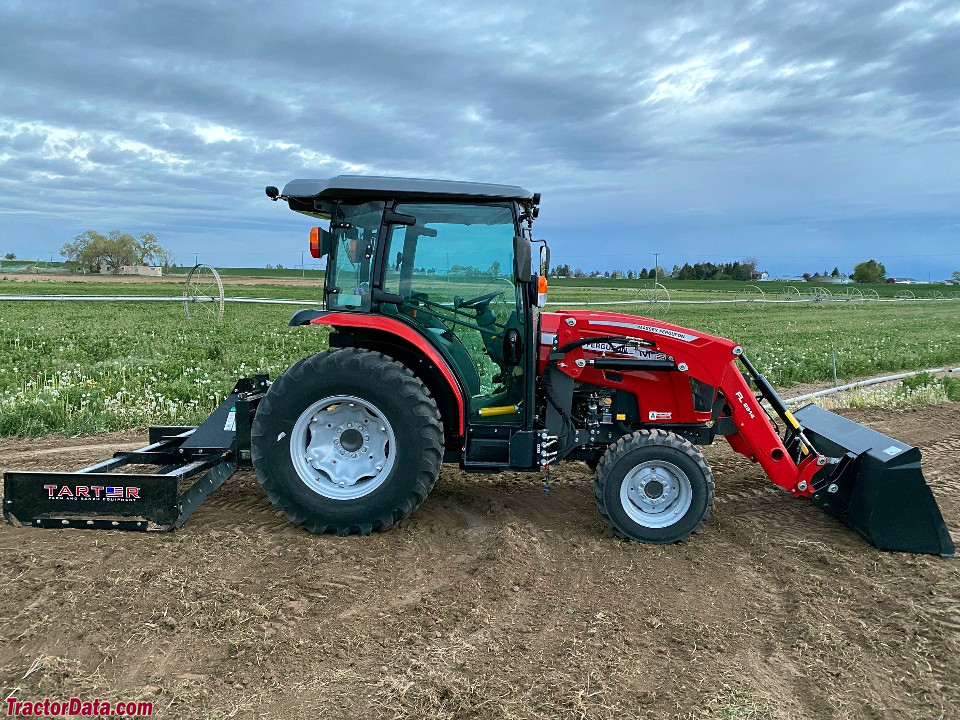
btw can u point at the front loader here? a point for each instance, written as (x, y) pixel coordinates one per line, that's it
(439, 352)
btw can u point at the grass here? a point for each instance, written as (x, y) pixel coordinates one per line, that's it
(92, 368)
(727, 288)
(919, 390)
(84, 368)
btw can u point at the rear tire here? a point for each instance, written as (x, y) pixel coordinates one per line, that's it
(654, 487)
(347, 441)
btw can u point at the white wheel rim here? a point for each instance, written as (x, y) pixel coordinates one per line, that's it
(343, 447)
(656, 494)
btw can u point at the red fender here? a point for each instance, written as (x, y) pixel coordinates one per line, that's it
(404, 331)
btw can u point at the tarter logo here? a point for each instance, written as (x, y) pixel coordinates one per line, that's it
(91, 492)
(746, 405)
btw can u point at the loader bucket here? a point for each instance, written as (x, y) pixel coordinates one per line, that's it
(877, 488)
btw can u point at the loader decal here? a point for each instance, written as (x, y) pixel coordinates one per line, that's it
(746, 405)
(627, 349)
(666, 332)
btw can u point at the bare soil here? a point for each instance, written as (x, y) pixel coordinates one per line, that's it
(494, 600)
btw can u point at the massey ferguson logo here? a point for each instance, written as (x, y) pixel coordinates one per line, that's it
(746, 405)
(92, 492)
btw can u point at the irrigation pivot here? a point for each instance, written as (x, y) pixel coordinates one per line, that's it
(203, 292)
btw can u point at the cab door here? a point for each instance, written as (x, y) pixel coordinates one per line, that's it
(453, 270)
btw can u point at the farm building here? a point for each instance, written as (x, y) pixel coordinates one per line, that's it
(153, 270)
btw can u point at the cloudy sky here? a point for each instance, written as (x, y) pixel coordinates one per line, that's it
(806, 134)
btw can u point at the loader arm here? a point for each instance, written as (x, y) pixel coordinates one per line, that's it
(711, 360)
(867, 480)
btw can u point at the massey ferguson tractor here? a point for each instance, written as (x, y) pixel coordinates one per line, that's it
(439, 352)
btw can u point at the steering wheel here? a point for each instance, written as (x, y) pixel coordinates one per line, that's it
(480, 302)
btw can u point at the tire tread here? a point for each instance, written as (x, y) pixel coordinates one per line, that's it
(635, 441)
(380, 369)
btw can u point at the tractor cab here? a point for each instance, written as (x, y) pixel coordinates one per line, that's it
(451, 261)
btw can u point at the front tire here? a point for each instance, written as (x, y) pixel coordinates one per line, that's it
(654, 487)
(347, 441)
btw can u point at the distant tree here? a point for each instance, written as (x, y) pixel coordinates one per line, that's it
(617, 275)
(147, 247)
(578, 273)
(835, 273)
(686, 272)
(166, 259)
(643, 274)
(807, 277)
(630, 275)
(269, 266)
(869, 272)
(956, 275)
(494, 269)
(94, 250)
(279, 266)
(9, 256)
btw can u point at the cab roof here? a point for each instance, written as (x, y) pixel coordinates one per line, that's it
(372, 187)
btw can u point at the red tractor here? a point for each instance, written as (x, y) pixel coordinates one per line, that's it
(439, 352)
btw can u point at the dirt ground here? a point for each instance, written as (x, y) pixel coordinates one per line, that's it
(494, 600)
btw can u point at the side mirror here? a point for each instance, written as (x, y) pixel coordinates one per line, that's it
(272, 192)
(544, 258)
(521, 259)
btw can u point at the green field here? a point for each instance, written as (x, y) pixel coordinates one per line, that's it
(84, 368)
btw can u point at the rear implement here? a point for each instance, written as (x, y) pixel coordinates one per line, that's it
(191, 463)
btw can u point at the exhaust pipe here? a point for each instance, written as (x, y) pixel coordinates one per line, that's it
(877, 488)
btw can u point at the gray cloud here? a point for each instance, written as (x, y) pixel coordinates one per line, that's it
(176, 114)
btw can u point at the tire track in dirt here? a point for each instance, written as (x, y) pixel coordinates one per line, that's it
(106, 448)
